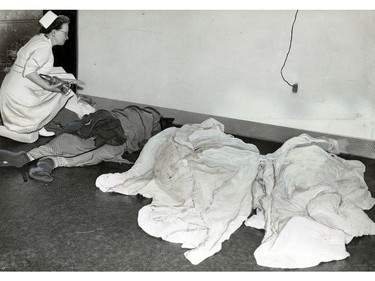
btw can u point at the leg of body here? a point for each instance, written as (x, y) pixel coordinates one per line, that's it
(42, 171)
(64, 145)
(92, 157)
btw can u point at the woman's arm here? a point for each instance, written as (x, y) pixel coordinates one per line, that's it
(34, 77)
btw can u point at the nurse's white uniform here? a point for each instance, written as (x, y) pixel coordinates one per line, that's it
(26, 107)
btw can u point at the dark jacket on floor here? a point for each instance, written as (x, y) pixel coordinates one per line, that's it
(102, 125)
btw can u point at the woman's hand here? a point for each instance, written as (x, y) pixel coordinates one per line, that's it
(34, 77)
(53, 88)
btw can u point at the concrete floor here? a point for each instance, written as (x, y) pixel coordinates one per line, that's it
(70, 225)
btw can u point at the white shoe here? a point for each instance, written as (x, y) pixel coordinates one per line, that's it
(44, 133)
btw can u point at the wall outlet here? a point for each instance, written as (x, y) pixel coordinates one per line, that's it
(295, 88)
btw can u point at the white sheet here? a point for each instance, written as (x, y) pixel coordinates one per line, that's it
(310, 203)
(204, 184)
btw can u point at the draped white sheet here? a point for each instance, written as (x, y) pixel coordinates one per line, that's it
(310, 203)
(205, 183)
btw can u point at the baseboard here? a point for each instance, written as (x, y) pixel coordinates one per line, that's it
(355, 146)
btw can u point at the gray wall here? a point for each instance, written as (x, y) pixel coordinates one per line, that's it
(227, 64)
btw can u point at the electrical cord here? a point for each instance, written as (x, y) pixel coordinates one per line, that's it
(290, 46)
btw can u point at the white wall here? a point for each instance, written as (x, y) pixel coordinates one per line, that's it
(227, 63)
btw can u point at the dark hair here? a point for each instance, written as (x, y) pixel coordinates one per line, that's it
(56, 24)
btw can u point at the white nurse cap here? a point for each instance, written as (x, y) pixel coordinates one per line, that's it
(47, 19)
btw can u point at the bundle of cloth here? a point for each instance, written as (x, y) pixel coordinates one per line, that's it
(205, 184)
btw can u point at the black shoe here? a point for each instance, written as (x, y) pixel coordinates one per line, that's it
(13, 159)
(42, 171)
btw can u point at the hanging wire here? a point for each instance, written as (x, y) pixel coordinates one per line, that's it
(290, 46)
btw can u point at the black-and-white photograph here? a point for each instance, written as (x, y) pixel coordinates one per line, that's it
(187, 140)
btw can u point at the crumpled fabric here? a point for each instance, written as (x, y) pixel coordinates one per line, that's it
(139, 124)
(81, 105)
(310, 204)
(200, 181)
(101, 124)
(205, 183)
